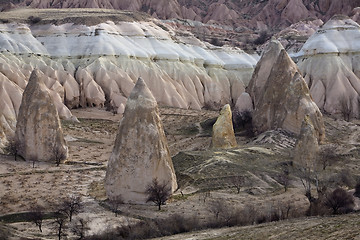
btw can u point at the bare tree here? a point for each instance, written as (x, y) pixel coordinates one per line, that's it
(37, 216)
(12, 147)
(158, 193)
(284, 178)
(204, 195)
(59, 224)
(237, 182)
(338, 199)
(70, 206)
(79, 228)
(115, 204)
(327, 155)
(216, 207)
(58, 155)
(346, 107)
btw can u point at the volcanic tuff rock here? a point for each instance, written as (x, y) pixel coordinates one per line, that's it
(306, 147)
(330, 64)
(223, 132)
(280, 95)
(10, 98)
(38, 130)
(141, 152)
(98, 65)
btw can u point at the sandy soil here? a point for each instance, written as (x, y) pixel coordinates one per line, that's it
(90, 143)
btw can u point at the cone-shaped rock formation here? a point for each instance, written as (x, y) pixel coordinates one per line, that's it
(223, 132)
(280, 95)
(141, 151)
(38, 130)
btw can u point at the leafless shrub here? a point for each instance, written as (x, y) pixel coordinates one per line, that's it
(317, 208)
(79, 228)
(243, 120)
(327, 156)
(37, 216)
(345, 107)
(339, 200)
(284, 178)
(12, 147)
(59, 155)
(59, 224)
(34, 20)
(237, 182)
(115, 204)
(71, 206)
(262, 38)
(344, 178)
(158, 193)
(357, 190)
(204, 195)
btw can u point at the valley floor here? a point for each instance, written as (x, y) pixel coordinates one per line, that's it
(205, 179)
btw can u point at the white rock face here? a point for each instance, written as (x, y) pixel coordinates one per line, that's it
(280, 95)
(10, 98)
(38, 129)
(105, 60)
(96, 66)
(141, 152)
(330, 64)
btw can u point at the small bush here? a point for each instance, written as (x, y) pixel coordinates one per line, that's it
(357, 190)
(216, 42)
(263, 37)
(339, 201)
(34, 20)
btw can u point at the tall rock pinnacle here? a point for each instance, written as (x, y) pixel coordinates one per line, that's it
(223, 132)
(141, 151)
(280, 95)
(38, 130)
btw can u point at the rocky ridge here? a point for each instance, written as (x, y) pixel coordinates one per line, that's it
(329, 62)
(98, 65)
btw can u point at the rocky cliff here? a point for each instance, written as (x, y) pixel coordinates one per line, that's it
(329, 62)
(98, 65)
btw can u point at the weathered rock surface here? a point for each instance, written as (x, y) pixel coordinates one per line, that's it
(38, 130)
(329, 62)
(280, 95)
(98, 65)
(223, 136)
(306, 147)
(10, 98)
(141, 152)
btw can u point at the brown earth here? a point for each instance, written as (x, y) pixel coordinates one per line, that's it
(203, 175)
